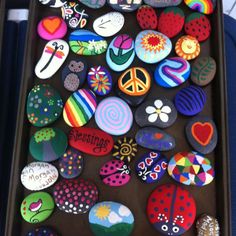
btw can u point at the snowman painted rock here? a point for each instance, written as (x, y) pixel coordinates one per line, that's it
(53, 3)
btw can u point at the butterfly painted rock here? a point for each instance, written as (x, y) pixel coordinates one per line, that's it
(115, 173)
(151, 167)
(171, 209)
(53, 3)
(54, 54)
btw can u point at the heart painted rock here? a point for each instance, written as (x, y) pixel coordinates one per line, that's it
(75, 16)
(75, 196)
(115, 173)
(111, 218)
(171, 209)
(203, 71)
(48, 144)
(79, 108)
(42, 231)
(190, 100)
(172, 72)
(99, 80)
(171, 21)
(53, 3)
(109, 24)
(52, 27)
(44, 105)
(162, 3)
(191, 168)
(74, 74)
(152, 46)
(87, 43)
(120, 53)
(92, 141)
(95, 4)
(154, 139)
(37, 207)
(160, 112)
(38, 176)
(151, 167)
(202, 134)
(54, 54)
(203, 6)
(125, 5)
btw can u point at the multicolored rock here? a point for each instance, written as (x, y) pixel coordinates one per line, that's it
(42, 231)
(125, 5)
(53, 3)
(95, 4)
(162, 3)
(203, 6)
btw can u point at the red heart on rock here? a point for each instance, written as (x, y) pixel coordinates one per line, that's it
(149, 161)
(157, 168)
(153, 155)
(164, 165)
(154, 176)
(202, 132)
(141, 165)
(52, 24)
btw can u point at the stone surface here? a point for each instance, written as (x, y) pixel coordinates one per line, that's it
(204, 6)
(162, 3)
(95, 4)
(42, 231)
(53, 3)
(125, 5)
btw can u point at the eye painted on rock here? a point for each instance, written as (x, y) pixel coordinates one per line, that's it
(175, 229)
(164, 228)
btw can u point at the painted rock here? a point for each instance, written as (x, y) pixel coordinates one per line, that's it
(207, 225)
(171, 21)
(38, 176)
(44, 105)
(95, 4)
(100, 80)
(187, 47)
(204, 6)
(74, 74)
(152, 46)
(154, 139)
(53, 3)
(91, 141)
(111, 218)
(203, 71)
(201, 133)
(37, 207)
(42, 231)
(80, 108)
(162, 3)
(151, 167)
(109, 24)
(114, 116)
(115, 173)
(120, 53)
(134, 85)
(75, 196)
(54, 54)
(74, 15)
(190, 101)
(71, 163)
(52, 27)
(87, 43)
(171, 209)
(48, 144)
(147, 18)
(125, 5)
(125, 149)
(160, 112)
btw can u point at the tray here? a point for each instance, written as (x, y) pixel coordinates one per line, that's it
(213, 199)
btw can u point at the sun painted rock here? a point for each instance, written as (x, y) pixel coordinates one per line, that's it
(171, 209)
(75, 196)
(95, 4)
(125, 5)
(87, 43)
(99, 80)
(114, 116)
(79, 108)
(203, 6)
(74, 15)
(109, 24)
(48, 144)
(37, 207)
(191, 168)
(42, 231)
(53, 3)
(54, 54)
(151, 167)
(152, 46)
(190, 100)
(115, 173)
(74, 74)
(202, 134)
(154, 139)
(111, 218)
(159, 112)
(38, 176)
(44, 105)
(162, 3)
(172, 72)
(71, 163)
(120, 53)
(203, 71)
(91, 141)
(171, 21)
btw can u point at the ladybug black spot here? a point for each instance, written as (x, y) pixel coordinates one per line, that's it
(162, 201)
(188, 204)
(190, 215)
(181, 197)
(156, 209)
(168, 194)
(181, 208)
(165, 209)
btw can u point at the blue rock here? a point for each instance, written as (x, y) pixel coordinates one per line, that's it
(42, 231)
(162, 3)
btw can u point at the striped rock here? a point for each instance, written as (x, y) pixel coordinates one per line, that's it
(79, 108)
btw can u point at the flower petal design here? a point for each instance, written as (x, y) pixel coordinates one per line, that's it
(164, 117)
(150, 110)
(153, 117)
(158, 104)
(166, 109)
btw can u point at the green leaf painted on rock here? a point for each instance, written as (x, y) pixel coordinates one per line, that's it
(122, 59)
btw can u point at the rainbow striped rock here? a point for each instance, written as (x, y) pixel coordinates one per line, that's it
(172, 72)
(79, 108)
(204, 6)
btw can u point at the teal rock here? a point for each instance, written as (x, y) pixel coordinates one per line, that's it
(95, 4)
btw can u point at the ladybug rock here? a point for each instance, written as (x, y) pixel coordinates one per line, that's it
(171, 209)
